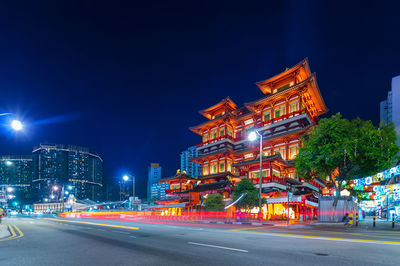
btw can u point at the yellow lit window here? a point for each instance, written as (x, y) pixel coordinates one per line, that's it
(229, 166)
(293, 152)
(213, 135)
(293, 107)
(256, 174)
(222, 132)
(282, 152)
(205, 170)
(205, 138)
(213, 169)
(222, 167)
(267, 153)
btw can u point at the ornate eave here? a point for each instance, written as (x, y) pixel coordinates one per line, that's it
(300, 71)
(225, 105)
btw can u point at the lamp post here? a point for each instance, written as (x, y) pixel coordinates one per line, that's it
(126, 178)
(252, 137)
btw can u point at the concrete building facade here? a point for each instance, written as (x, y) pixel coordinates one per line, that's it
(191, 168)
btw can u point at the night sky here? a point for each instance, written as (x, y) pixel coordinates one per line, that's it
(127, 80)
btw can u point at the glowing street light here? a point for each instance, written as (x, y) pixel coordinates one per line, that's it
(10, 189)
(126, 178)
(252, 137)
(9, 163)
(55, 188)
(52, 196)
(16, 125)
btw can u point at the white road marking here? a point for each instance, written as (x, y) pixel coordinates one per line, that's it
(213, 246)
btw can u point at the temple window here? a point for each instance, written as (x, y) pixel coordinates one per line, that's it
(279, 111)
(222, 132)
(213, 169)
(282, 151)
(230, 132)
(229, 166)
(205, 169)
(293, 152)
(213, 135)
(293, 107)
(222, 167)
(267, 116)
(256, 174)
(205, 138)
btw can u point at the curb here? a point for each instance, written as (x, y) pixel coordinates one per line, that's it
(3, 232)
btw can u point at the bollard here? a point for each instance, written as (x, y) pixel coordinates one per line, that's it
(392, 221)
(374, 220)
(357, 219)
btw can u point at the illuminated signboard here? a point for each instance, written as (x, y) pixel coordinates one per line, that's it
(366, 181)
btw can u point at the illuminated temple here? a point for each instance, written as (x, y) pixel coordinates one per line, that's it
(290, 106)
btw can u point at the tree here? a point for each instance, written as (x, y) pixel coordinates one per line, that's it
(340, 150)
(250, 200)
(215, 202)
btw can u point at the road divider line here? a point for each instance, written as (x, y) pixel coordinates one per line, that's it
(213, 246)
(368, 241)
(13, 234)
(107, 225)
(19, 231)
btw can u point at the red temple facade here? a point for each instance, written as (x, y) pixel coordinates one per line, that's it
(290, 107)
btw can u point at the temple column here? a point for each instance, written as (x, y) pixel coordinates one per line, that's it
(287, 149)
(287, 106)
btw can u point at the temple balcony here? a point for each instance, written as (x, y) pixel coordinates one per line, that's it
(284, 124)
(273, 182)
(218, 140)
(282, 182)
(272, 128)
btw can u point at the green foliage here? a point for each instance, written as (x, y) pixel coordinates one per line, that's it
(351, 148)
(215, 202)
(250, 200)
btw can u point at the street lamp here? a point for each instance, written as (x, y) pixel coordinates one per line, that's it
(10, 189)
(252, 137)
(55, 188)
(126, 178)
(9, 163)
(16, 125)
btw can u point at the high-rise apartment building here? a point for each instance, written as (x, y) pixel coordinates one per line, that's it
(191, 168)
(153, 176)
(157, 191)
(71, 168)
(390, 108)
(16, 173)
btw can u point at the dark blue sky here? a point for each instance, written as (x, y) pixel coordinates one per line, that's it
(128, 79)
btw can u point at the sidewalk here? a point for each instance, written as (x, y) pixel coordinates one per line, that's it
(366, 224)
(4, 230)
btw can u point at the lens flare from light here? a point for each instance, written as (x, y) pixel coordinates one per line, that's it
(252, 136)
(16, 125)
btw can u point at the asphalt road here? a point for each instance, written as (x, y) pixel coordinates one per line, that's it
(56, 242)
